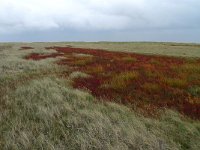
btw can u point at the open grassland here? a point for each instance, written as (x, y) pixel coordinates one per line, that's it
(170, 49)
(57, 97)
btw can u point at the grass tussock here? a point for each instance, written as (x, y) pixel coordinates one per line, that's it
(46, 114)
(81, 55)
(194, 91)
(190, 68)
(78, 74)
(151, 73)
(151, 87)
(155, 62)
(82, 61)
(95, 69)
(122, 80)
(175, 82)
(129, 59)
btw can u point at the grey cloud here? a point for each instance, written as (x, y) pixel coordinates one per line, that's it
(96, 16)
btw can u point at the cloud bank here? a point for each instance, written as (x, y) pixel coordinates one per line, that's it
(21, 16)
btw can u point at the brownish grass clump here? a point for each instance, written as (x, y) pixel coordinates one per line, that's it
(151, 87)
(122, 80)
(95, 69)
(175, 82)
(129, 59)
(82, 61)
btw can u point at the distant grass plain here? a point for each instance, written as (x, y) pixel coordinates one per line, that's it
(48, 97)
(155, 48)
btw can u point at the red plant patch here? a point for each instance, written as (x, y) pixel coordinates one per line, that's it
(26, 48)
(35, 56)
(148, 82)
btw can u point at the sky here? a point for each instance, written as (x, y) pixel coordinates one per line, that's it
(100, 20)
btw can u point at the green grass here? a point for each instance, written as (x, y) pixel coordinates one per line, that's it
(83, 62)
(175, 82)
(129, 59)
(169, 49)
(96, 69)
(40, 110)
(191, 68)
(122, 80)
(194, 91)
(78, 74)
(47, 113)
(151, 87)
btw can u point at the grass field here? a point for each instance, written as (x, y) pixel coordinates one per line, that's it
(58, 96)
(169, 49)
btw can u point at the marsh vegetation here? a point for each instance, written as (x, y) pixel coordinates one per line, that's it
(53, 96)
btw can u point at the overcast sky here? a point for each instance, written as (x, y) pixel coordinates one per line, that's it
(100, 20)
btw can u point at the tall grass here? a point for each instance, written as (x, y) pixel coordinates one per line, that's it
(47, 114)
(41, 111)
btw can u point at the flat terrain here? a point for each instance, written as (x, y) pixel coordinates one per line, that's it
(169, 49)
(99, 95)
(146, 82)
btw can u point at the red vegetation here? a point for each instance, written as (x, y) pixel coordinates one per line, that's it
(35, 56)
(148, 82)
(26, 47)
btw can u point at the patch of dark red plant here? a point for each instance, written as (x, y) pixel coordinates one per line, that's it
(150, 82)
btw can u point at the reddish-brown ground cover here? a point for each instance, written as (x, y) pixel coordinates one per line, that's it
(26, 47)
(36, 56)
(146, 82)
